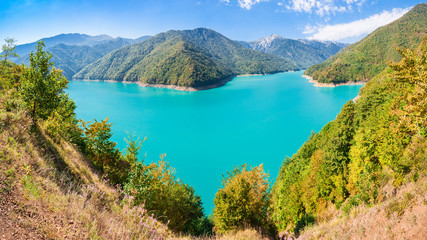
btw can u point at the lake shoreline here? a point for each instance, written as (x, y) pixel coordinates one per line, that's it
(187, 125)
(175, 87)
(319, 84)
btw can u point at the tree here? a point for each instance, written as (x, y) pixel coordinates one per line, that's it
(243, 201)
(169, 199)
(131, 152)
(8, 51)
(42, 88)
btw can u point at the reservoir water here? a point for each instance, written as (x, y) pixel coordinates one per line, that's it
(252, 119)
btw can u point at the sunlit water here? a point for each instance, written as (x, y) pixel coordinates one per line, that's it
(252, 119)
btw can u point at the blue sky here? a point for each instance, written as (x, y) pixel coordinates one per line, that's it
(338, 20)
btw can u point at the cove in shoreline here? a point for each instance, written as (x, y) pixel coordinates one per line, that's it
(319, 84)
(241, 122)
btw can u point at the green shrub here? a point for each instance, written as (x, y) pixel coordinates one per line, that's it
(170, 200)
(399, 207)
(243, 200)
(103, 152)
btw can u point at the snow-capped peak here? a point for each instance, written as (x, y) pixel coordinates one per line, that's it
(266, 42)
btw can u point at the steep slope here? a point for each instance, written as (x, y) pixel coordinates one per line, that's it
(368, 57)
(374, 147)
(61, 178)
(191, 58)
(49, 189)
(402, 216)
(304, 52)
(72, 52)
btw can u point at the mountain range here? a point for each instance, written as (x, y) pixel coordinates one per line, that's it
(368, 57)
(303, 52)
(72, 52)
(190, 58)
(200, 56)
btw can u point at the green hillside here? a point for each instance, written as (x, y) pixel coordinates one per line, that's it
(63, 178)
(368, 57)
(374, 145)
(73, 52)
(191, 58)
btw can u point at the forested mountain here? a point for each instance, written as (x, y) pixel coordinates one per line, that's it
(191, 58)
(69, 39)
(378, 141)
(72, 52)
(368, 57)
(304, 52)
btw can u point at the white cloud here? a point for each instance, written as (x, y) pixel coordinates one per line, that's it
(309, 29)
(226, 2)
(323, 7)
(356, 28)
(320, 7)
(248, 3)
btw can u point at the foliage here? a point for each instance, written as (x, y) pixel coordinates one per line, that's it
(103, 152)
(149, 189)
(243, 200)
(380, 138)
(171, 201)
(42, 87)
(58, 193)
(8, 51)
(192, 58)
(367, 58)
(399, 207)
(131, 152)
(72, 52)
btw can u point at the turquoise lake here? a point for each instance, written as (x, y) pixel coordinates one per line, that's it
(252, 119)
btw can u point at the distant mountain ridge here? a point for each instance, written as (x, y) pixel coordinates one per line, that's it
(368, 57)
(304, 52)
(206, 53)
(71, 52)
(190, 58)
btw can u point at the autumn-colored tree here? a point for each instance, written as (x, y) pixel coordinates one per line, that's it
(243, 200)
(103, 152)
(170, 200)
(379, 139)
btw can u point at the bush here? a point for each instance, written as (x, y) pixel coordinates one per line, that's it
(103, 152)
(243, 201)
(170, 200)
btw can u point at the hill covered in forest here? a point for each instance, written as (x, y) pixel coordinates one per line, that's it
(374, 147)
(190, 58)
(72, 52)
(368, 57)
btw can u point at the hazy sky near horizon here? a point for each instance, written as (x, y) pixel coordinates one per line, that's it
(335, 20)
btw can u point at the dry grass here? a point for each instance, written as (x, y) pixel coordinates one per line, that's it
(245, 234)
(50, 190)
(403, 216)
